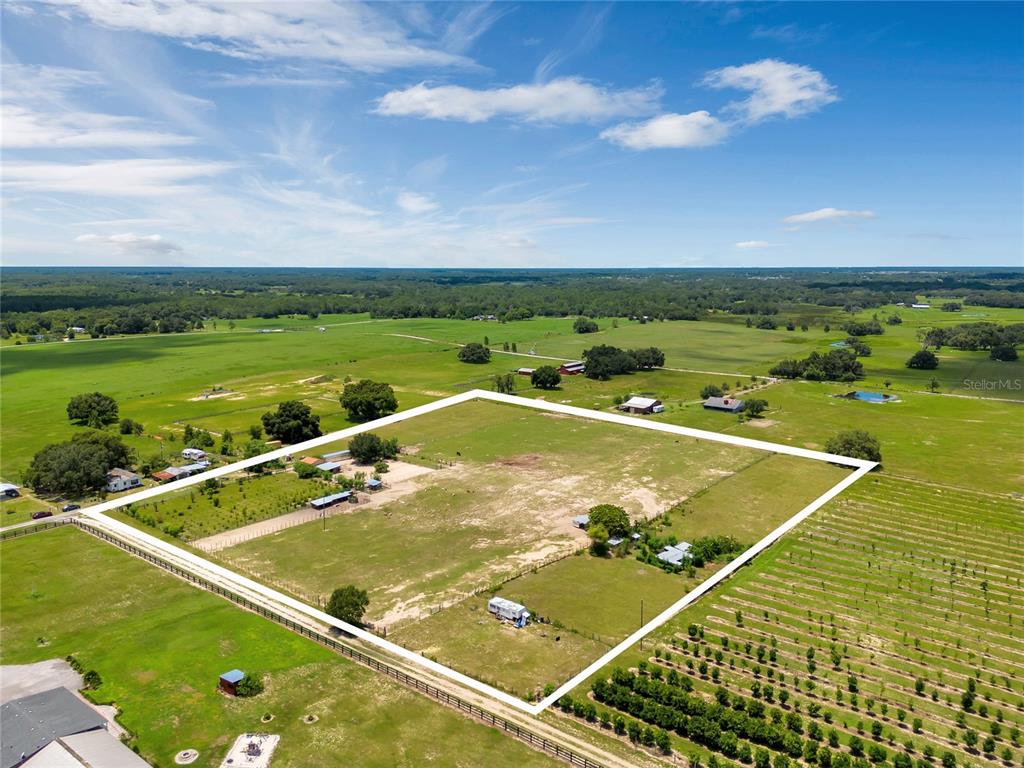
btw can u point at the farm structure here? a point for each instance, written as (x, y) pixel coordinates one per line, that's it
(581, 522)
(728, 404)
(228, 682)
(508, 610)
(642, 406)
(332, 467)
(674, 554)
(9, 491)
(329, 501)
(525, 371)
(193, 454)
(571, 369)
(177, 473)
(122, 480)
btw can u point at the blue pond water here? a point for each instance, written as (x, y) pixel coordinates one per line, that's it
(869, 397)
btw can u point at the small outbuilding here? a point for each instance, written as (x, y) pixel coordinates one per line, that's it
(728, 404)
(229, 681)
(642, 405)
(311, 460)
(581, 522)
(373, 484)
(572, 369)
(329, 466)
(9, 491)
(674, 554)
(193, 454)
(506, 610)
(122, 480)
(329, 501)
(524, 371)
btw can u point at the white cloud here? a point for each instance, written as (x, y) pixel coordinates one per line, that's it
(356, 35)
(37, 113)
(565, 99)
(132, 243)
(754, 245)
(697, 129)
(826, 214)
(110, 178)
(415, 204)
(776, 88)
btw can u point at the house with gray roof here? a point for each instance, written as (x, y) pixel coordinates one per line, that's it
(674, 554)
(32, 722)
(728, 404)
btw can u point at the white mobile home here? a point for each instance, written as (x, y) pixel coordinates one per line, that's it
(193, 454)
(508, 611)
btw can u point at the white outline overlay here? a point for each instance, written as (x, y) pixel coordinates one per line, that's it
(194, 562)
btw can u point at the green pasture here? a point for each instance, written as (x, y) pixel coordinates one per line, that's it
(160, 645)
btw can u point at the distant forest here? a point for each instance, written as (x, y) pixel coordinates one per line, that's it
(108, 301)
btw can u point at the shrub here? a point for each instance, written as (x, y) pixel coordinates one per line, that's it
(475, 353)
(924, 360)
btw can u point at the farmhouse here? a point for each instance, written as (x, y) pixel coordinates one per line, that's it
(122, 480)
(525, 371)
(193, 454)
(506, 610)
(571, 369)
(642, 405)
(329, 501)
(229, 681)
(581, 522)
(728, 404)
(8, 491)
(674, 554)
(56, 728)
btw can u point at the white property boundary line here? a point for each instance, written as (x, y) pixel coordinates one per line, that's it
(194, 562)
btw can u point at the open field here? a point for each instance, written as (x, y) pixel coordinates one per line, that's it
(499, 507)
(871, 621)
(160, 646)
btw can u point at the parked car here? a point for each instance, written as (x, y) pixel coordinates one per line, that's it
(70, 507)
(41, 514)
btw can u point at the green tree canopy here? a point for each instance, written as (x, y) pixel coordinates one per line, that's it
(348, 603)
(366, 400)
(546, 377)
(93, 409)
(613, 519)
(604, 361)
(648, 357)
(711, 390)
(475, 352)
(505, 383)
(857, 444)
(755, 407)
(78, 466)
(1007, 353)
(292, 422)
(923, 359)
(368, 448)
(598, 539)
(584, 325)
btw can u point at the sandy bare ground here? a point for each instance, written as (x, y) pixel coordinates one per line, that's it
(398, 482)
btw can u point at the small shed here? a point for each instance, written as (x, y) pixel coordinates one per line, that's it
(9, 491)
(506, 610)
(229, 681)
(728, 404)
(525, 371)
(329, 466)
(374, 484)
(329, 501)
(311, 460)
(614, 541)
(642, 405)
(581, 522)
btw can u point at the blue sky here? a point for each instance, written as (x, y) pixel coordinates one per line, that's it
(142, 132)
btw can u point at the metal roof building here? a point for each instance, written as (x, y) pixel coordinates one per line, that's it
(581, 521)
(32, 722)
(328, 501)
(674, 554)
(730, 404)
(329, 466)
(642, 405)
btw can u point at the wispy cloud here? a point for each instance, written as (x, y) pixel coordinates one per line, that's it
(563, 100)
(697, 129)
(111, 178)
(777, 88)
(826, 214)
(130, 243)
(791, 34)
(754, 245)
(415, 204)
(356, 35)
(585, 34)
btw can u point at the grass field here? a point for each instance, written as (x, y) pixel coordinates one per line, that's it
(159, 646)
(904, 592)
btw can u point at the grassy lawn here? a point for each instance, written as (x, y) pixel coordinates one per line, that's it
(20, 510)
(159, 646)
(238, 502)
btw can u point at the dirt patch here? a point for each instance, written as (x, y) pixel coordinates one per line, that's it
(762, 423)
(523, 461)
(322, 378)
(212, 395)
